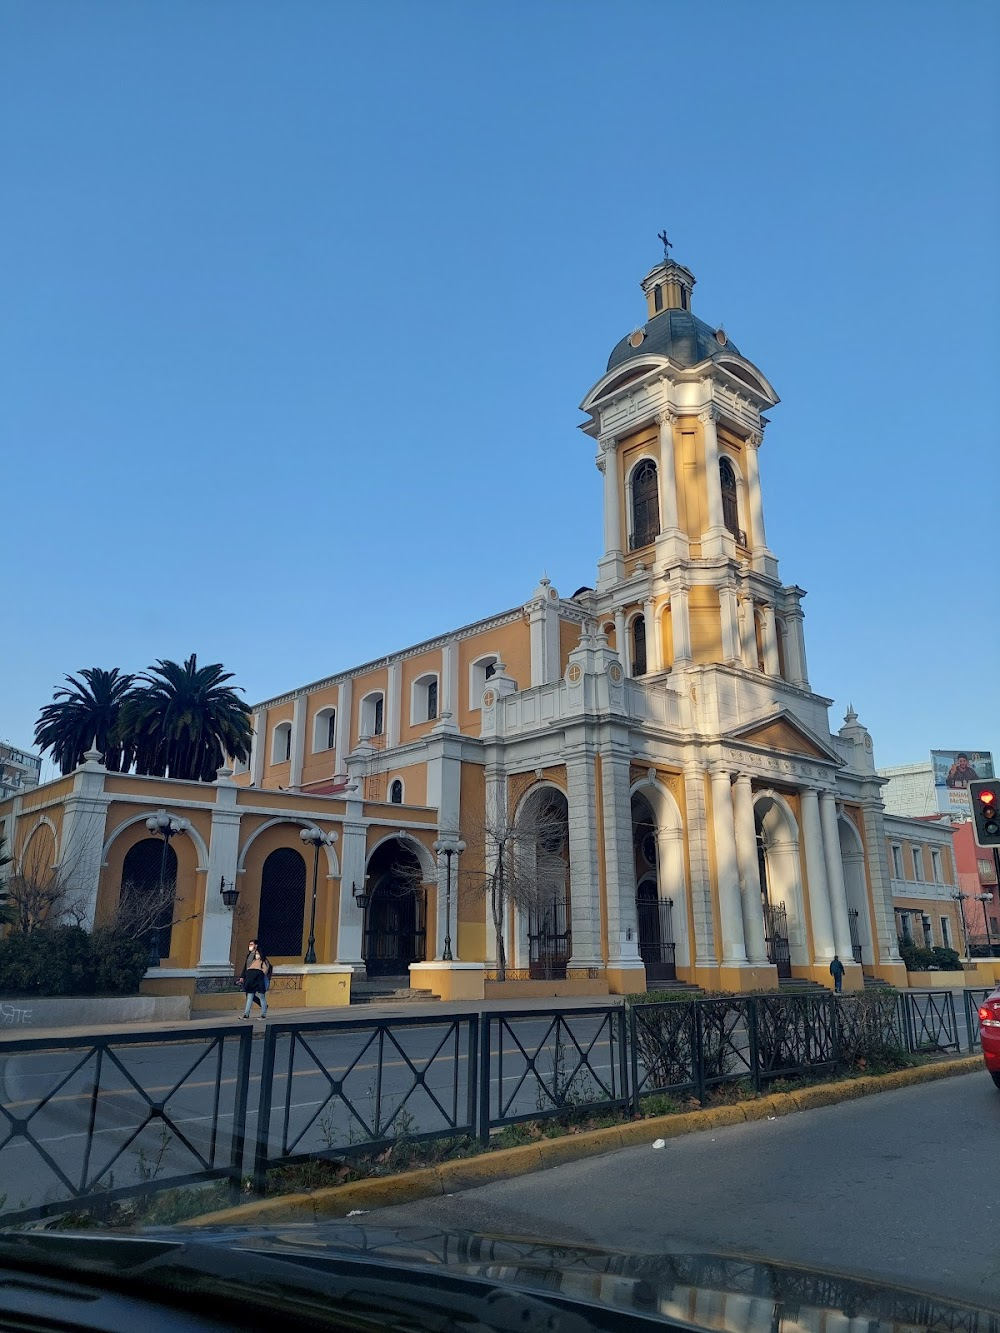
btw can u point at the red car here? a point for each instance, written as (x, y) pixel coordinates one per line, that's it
(989, 1033)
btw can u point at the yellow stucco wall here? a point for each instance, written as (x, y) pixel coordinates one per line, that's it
(276, 775)
(706, 624)
(512, 643)
(411, 669)
(319, 764)
(569, 637)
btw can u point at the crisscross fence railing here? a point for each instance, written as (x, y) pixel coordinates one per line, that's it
(973, 997)
(86, 1120)
(95, 1119)
(336, 1089)
(541, 1063)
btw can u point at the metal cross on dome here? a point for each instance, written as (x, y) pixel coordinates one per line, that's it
(667, 245)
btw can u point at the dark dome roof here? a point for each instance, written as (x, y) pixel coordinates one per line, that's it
(683, 337)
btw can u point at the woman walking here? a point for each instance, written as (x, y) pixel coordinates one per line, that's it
(255, 979)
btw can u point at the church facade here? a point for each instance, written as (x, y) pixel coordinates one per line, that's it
(658, 731)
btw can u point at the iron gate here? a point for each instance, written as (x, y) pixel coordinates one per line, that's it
(656, 934)
(395, 929)
(549, 942)
(852, 917)
(776, 938)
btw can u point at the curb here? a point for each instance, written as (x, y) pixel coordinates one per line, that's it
(469, 1172)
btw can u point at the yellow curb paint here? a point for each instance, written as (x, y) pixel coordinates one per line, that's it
(470, 1172)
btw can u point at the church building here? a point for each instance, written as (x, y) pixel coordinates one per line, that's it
(656, 733)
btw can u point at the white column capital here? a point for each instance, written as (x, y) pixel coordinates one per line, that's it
(608, 443)
(667, 416)
(755, 439)
(709, 413)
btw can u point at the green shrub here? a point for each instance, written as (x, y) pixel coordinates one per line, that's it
(65, 960)
(916, 958)
(120, 962)
(947, 959)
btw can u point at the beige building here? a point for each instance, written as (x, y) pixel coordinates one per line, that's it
(706, 822)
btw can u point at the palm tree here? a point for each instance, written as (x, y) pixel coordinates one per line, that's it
(184, 720)
(87, 713)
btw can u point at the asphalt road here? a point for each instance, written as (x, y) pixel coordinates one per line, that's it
(902, 1187)
(326, 1095)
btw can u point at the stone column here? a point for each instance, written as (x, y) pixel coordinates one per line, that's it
(619, 859)
(795, 649)
(584, 891)
(748, 633)
(770, 634)
(449, 680)
(621, 642)
(343, 726)
(353, 858)
(730, 624)
(835, 876)
(257, 747)
(696, 831)
(819, 893)
(668, 475)
(612, 502)
(708, 417)
(654, 644)
(756, 503)
(746, 853)
(734, 953)
(81, 845)
(879, 878)
(297, 753)
(680, 623)
(223, 853)
(393, 705)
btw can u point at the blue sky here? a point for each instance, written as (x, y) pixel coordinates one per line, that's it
(300, 300)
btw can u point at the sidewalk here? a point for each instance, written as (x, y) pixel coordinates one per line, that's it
(289, 1017)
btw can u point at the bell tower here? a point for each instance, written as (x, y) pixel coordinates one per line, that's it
(686, 578)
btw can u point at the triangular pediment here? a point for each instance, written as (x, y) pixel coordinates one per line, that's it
(786, 734)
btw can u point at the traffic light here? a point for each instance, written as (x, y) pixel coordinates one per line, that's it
(985, 798)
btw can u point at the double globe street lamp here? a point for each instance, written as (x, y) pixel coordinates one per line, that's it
(315, 838)
(448, 847)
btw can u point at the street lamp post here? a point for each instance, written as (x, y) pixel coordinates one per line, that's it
(315, 838)
(985, 898)
(960, 898)
(449, 847)
(164, 826)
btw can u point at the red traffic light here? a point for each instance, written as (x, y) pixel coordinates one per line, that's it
(987, 797)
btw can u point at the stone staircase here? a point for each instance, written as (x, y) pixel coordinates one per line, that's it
(388, 990)
(802, 986)
(676, 987)
(876, 983)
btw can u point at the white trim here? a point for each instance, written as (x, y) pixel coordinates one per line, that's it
(190, 831)
(365, 732)
(418, 697)
(427, 863)
(284, 819)
(321, 720)
(477, 685)
(283, 729)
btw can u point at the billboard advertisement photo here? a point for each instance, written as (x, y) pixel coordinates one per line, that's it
(953, 771)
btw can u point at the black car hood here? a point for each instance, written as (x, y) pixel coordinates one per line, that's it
(427, 1278)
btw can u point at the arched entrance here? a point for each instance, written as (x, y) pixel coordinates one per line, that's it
(541, 875)
(654, 910)
(281, 920)
(395, 926)
(780, 882)
(148, 895)
(852, 856)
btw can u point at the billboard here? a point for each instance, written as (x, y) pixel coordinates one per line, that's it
(953, 771)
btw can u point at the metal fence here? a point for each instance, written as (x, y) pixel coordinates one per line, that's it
(85, 1120)
(89, 1120)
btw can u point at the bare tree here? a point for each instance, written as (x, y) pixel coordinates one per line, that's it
(39, 892)
(517, 865)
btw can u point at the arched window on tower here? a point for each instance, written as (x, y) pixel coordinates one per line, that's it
(730, 504)
(396, 792)
(639, 646)
(645, 505)
(779, 626)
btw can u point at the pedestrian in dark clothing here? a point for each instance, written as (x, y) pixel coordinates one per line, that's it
(255, 979)
(837, 972)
